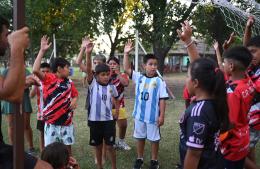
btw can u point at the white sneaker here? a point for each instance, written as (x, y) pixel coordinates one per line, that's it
(122, 145)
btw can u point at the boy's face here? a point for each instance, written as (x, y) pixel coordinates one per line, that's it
(255, 51)
(228, 66)
(103, 77)
(150, 67)
(96, 62)
(45, 70)
(64, 72)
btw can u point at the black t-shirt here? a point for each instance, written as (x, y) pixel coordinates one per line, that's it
(200, 130)
(6, 158)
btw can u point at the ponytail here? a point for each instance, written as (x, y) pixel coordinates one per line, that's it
(220, 96)
(211, 79)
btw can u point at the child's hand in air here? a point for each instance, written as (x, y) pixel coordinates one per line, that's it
(186, 33)
(128, 47)
(45, 45)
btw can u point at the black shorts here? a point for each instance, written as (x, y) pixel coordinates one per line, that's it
(40, 125)
(102, 130)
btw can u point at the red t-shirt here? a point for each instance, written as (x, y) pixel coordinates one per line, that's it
(119, 87)
(254, 113)
(57, 100)
(240, 93)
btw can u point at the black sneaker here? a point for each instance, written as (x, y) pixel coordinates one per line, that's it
(154, 164)
(138, 164)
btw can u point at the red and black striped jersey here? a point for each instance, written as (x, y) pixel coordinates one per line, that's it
(235, 145)
(254, 113)
(57, 100)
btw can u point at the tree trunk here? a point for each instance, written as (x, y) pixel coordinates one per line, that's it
(113, 49)
(161, 55)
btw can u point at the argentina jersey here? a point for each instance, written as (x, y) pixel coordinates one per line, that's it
(148, 92)
(100, 101)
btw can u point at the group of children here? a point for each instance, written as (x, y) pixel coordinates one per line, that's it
(219, 128)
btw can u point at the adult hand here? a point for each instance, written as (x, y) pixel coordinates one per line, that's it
(186, 33)
(229, 42)
(89, 45)
(250, 22)
(128, 47)
(19, 39)
(216, 45)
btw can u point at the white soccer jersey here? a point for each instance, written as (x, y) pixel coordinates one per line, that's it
(148, 93)
(100, 98)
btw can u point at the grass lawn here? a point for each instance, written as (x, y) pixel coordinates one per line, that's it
(168, 153)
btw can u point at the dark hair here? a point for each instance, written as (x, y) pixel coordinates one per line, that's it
(59, 62)
(240, 54)
(114, 59)
(102, 68)
(56, 154)
(255, 41)
(45, 65)
(149, 56)
(3, 22)
(212, 80)
(100, 57)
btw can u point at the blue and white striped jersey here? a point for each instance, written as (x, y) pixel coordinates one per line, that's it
(149, 91)
(100, 98)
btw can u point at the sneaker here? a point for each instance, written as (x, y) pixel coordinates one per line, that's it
(154, 164)
(138, 164)
(122, 145)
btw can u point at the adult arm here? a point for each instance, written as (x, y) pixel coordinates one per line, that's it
(126, 63)
(89, 48)
(192, 158)
(11, 87)
(219, 58)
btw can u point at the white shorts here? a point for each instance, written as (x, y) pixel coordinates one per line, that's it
(56, 133)
(143, 130)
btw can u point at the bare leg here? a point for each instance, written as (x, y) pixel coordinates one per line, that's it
(28, 130)
(155, 149)
(41, 138)
(122, 125)
(112, 154)
(140, 148)
(10, 122)
(98, 152)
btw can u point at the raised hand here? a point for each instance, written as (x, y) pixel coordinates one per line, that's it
(250, 22)
(216, 45)
(45, 45)
(186, 33)
(20, 38)
(89, 45)
(128, 46)
(84, 42)
(229, 42)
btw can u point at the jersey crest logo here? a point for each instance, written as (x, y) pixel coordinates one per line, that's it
(198, 128)
(154, 84)
(146, 85)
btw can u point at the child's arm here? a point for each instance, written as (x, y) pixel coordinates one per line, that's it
(89, 48)
(192, 158)
(74, 95)
(185, 36)
(162, 112)
(229, 42)
(80, 55)
(126, 64)
(33, 91)
(117, 105)
(37, 63)
(248, 31)
(123, 79)
(219, 59)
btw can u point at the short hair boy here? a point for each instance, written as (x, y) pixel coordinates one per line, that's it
(59, 99)
(149, 106)
(240, 93)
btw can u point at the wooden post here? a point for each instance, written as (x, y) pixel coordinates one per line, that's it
(18, 151)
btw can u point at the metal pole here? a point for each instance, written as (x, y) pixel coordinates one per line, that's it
(54, 46)
(18, 151)
(136, 50)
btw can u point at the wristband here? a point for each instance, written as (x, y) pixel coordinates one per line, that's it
(189, 44)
